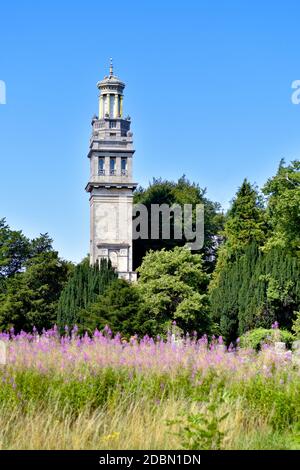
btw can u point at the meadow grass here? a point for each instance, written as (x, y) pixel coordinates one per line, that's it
(134, 426)
(103, 393)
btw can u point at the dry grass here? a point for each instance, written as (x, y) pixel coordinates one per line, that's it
(137, 426)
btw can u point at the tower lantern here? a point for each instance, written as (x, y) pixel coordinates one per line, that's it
(111, 96)
(111, 183)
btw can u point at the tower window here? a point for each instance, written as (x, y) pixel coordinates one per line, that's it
(112, 124)
(124, 166)
(101, 167)
(112, 166)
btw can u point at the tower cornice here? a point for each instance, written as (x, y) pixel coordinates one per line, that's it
(96, 184)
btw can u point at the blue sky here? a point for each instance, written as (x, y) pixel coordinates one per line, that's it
(208, 90)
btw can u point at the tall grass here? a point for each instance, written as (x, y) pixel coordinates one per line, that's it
(103, 393)
(136, 426)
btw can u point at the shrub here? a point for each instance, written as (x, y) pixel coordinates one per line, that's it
(255, 338)
(296, 326)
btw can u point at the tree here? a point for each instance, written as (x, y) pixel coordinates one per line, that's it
(244, 225)
(180, 192)
(245, 221)
(30, 297)
(283, 192)
(245, 229)
(255, 290)
(173, 286)
(82, 289)
(14, 250)
(118, 307)
(256, 281)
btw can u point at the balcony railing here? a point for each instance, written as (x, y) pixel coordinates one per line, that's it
(113, 173)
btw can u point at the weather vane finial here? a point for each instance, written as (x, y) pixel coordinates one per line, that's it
(111, 68)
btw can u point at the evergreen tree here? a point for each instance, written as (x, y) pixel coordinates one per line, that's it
(245, 221)
(256, 281)
(82, 289)
(118, 307)
(255, 290)
(244, 230)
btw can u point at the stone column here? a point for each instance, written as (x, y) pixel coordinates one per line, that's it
(116, 106)
(101, 107)
(108, 104)
(129, 167)
(106, 166)
(121, 106)
(118, 166)
(95, 167)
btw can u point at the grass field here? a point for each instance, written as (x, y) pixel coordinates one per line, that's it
(104, 393)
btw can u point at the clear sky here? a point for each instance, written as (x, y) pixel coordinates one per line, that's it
(208, 90)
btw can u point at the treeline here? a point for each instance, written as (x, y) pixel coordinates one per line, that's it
(246, 275)
(32, 277)
(256, 281)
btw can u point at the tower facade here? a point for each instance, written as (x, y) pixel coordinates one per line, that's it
(111, 183)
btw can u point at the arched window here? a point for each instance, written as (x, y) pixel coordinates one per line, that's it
(113, 256)
(101, 168)
(112, 166)
(124, 166)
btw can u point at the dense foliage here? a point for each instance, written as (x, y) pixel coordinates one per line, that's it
(180, 192)
(118, 306)
(259, 337)
(173, 286)
(81, 291)
(255, 290)
(257, 277)
(31, 279)
(172, 289)
(296, 326)
(283, 192)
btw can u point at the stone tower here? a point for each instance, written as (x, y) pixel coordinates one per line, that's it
(111, 185)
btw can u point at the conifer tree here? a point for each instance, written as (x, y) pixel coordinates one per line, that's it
(118, 308)
(245, 221)
(82, 289)
(244, 230)
(255, 290)
(256, 281)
